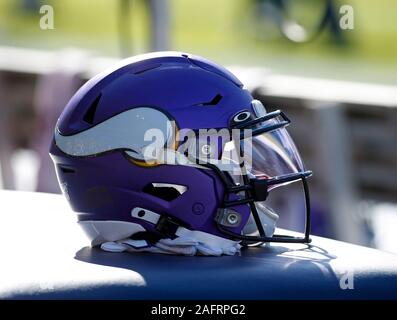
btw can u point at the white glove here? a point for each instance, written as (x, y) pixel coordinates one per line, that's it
(187, 246)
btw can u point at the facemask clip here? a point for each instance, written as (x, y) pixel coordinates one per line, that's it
(259, 189)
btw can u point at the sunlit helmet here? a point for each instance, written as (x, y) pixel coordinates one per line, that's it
(169, 144)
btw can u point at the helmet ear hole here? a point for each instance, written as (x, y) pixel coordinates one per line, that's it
(165, 191)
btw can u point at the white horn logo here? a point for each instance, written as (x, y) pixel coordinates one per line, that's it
(124, 131)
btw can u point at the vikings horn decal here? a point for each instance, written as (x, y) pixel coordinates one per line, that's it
(124, 131)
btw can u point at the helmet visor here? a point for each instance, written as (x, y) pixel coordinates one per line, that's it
(271, 154)
(265, 155)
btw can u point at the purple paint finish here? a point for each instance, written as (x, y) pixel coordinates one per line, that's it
(174, 83)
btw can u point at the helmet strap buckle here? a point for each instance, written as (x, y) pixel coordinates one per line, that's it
(167, 226)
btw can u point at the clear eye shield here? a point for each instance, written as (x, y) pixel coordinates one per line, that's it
(259, 157)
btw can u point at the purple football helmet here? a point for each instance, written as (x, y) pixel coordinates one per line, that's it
(168, 143)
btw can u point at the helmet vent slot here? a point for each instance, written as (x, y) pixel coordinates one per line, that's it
(215, 100)
(90, 114)
(165, 191)
(65, 169)
(144, 68)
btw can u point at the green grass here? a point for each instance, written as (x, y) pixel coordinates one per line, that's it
(222, 30)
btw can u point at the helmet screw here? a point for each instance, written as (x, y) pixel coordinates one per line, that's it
(206, 149)
(232, 218)
(242, 116)
(198, 208)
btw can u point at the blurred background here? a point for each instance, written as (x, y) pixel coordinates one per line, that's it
(330, 64)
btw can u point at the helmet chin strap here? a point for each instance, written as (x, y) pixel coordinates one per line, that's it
(182, 242)
(191, 242)
(181, 245)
